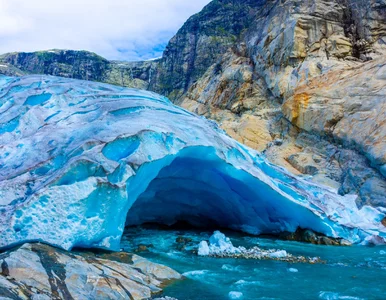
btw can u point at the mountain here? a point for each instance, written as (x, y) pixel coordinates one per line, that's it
(302, 81)
(79, 65)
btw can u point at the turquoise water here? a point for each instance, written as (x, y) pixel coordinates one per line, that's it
(355, 272)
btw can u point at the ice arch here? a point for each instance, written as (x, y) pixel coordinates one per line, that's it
(79, 160)
(200, 188)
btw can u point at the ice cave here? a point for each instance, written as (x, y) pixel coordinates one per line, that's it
(79, 161)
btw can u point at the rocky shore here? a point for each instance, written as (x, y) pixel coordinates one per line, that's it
(38, 271)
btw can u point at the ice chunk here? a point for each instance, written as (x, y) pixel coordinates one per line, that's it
(203, 249)
(219, 242)
(279, 254)
(235, 295)
(374, 240)
(293, 270)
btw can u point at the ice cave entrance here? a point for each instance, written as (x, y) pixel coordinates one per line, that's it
(198, 187)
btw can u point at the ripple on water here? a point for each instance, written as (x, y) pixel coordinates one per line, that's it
(195, 273)
(350, 273)
(336, 296)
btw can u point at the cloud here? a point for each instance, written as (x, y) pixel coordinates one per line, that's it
(115, 29)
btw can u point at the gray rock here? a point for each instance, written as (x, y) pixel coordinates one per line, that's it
(79, 65)
(42, 272)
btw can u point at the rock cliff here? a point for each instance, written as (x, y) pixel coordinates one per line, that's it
(201, 41)
(79, 65)
(305, 83)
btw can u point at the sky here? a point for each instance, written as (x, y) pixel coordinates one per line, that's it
(115, 29)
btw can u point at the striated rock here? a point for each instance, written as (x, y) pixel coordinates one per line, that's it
(200, 43)
(346, 106)
(309, 236)
(79, 65)
(10, 70)
(228, 94)
(37, 271)
(303, 162)
(142, 248)
(311, 61)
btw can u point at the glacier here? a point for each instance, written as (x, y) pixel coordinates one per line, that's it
(79, 161)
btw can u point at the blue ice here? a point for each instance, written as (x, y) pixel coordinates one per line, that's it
(92, 163)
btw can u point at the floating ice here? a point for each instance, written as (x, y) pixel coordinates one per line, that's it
(293, 270)
(80, 160)
(235, 295)
(203, 249)
(218, 244)
(279, 254)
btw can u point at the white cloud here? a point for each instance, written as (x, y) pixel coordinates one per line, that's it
(115, 29)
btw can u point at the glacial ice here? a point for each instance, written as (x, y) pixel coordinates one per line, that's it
(221, 246)
(279, 254)
(203, 249)
(80, 160)
(218, 243)
(235, 295)
(293, 270)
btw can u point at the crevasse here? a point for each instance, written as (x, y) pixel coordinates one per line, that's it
(79, 161)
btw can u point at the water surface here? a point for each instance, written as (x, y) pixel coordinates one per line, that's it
(355, 272)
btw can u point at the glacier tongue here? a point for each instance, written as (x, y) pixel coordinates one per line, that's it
(80, 160)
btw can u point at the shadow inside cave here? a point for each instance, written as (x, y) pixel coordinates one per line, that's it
(201, 189)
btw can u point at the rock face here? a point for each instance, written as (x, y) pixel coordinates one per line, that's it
(202, 40)
(81, 160)
(309, 74)
(79, 65)
(37, 271)
(230, 94)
